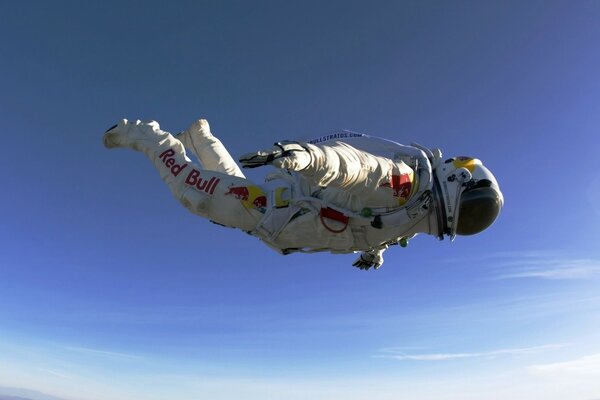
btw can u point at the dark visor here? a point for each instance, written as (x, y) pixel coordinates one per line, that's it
(479, 208)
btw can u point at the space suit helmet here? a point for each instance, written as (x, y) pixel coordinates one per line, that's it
(468, 196)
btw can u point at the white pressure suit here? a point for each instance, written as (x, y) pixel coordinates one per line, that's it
(326, 196)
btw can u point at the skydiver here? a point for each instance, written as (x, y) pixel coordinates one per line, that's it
(329, 194)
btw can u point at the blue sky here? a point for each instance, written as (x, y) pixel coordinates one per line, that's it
(111, 290)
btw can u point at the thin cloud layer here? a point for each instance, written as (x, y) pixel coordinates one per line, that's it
(555, 269)
(584, 367)
(543, 266)
(103, 353)
(397, 355)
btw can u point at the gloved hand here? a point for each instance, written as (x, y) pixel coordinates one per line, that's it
(369, 259)
(286, 154)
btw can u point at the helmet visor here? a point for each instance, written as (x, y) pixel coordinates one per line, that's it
(479, 208)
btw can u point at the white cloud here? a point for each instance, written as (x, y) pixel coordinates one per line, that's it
(397, 355)
(55, 373)
(583, 367)
(543, 266)
(103, 353)
(535, 264)
(25, 394)
(552, 269)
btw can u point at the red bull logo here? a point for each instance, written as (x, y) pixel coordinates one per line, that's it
(250, 196)
(401, 186)
(194, 179)
(167, 157)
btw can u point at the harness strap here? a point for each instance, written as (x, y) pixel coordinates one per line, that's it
(330, 213)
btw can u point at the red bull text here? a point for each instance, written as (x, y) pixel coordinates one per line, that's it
(193, 178)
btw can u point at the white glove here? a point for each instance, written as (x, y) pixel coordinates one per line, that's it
(287, 155)
(368, 259)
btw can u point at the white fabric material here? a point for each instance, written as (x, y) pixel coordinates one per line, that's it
(369, 259)
(218, 191)
(204, 192)
(349, 178)
(210, 151)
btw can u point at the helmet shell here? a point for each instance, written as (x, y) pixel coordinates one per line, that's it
(468, 195)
